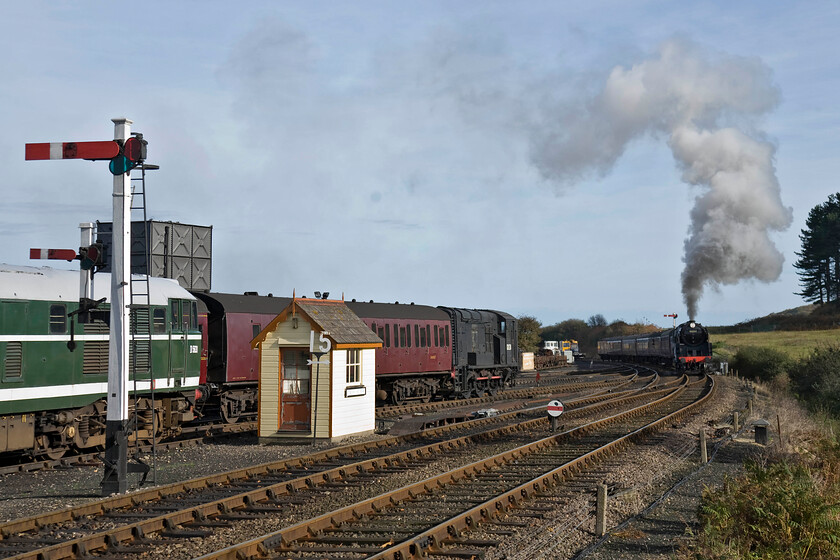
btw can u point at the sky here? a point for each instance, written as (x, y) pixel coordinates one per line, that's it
(544, 158)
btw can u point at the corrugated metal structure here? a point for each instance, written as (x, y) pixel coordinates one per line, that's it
(167, 250)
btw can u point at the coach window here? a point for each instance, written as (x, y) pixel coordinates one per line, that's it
(437, 340)
(408, 336)
(446, 338)
(429, 334)
(387, 335)
(256, 328)
(159, 320)
(402, 337)
(58, 319)
(373, 327)
(417, 336)
(422, 337)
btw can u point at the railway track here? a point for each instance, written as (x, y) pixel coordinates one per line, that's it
(198, 434)
(549, 383)
(435, 516)
(139, 522)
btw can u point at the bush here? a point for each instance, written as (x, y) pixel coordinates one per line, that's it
(759, 362)
(776, 512)
(817, 379)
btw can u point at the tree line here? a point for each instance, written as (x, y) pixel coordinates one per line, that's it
(531, 333)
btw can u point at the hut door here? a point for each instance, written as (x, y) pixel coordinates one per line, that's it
(295, 389)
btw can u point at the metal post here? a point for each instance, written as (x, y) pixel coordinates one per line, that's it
(704, 453)
(116, 454)
(315, 403)
(601, 511)
(85, 276)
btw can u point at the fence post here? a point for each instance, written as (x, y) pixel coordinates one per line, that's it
(601, 511)
(735, 421)
(704, 456)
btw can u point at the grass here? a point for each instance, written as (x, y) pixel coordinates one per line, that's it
(796, 344)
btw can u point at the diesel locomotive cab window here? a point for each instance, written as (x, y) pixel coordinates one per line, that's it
(58, 319)
(186, 316)
(174, 314)
(159, 320)
(501, 327)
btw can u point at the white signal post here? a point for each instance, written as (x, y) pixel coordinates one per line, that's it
(116, 452)
(85, 277)
(116, 456)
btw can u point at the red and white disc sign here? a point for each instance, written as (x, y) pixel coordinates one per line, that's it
(554, 408)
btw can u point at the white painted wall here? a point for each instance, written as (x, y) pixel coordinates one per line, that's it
(352, 415)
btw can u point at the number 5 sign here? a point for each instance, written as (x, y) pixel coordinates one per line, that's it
(324, 347)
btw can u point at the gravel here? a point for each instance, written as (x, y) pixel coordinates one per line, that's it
(637, 477)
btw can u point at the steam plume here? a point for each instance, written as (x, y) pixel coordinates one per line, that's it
(706, 106)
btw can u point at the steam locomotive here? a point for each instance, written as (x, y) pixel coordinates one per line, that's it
(686, 346)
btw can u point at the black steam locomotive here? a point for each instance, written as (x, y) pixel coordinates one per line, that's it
(685, 347)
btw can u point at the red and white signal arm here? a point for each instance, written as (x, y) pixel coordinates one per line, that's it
(554, 408)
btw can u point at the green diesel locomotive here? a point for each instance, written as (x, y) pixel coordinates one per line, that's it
(52, 398)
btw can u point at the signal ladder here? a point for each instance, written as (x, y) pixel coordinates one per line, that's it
(141, 311)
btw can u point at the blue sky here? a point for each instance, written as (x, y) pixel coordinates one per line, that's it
(405, 151)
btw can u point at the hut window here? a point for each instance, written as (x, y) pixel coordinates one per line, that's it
(354, 366)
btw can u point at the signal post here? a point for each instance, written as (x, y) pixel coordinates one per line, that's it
(125, 152)
(116, 441)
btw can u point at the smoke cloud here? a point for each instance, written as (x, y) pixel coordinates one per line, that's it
(705, 106)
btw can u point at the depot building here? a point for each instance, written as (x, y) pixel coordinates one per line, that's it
(317, 373)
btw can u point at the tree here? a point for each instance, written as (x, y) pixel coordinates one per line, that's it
(818, 266)
(597, 321)
(528, 333)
